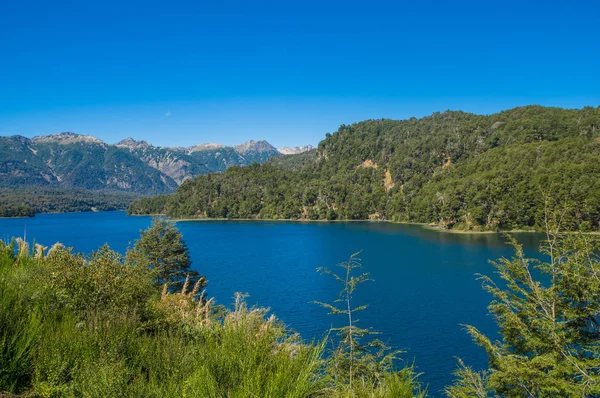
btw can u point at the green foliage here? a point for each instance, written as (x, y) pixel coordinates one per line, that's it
(468, 383)
(148, 206)
(161, 249)
(504, 187)
(19, 330)
(16, 210)
(102, 282)
(451, 169)
(549, 324)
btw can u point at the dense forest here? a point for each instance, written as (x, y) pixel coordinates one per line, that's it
(140, 325)
(16, 210)
(26, 202)
(452, 169)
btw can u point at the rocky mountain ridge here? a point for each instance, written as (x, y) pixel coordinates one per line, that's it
(69, 160)
(295, 150)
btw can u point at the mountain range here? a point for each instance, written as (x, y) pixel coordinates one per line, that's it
(69, 160)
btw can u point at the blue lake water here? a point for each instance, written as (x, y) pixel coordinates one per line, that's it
(425, 285)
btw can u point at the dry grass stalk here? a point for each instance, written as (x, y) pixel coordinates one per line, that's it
(23, 248)
(55, 248)
(200, 282)
(203, 311)
(39, 251)
(185, 284)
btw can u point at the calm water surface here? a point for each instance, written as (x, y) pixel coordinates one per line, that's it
(425, 285)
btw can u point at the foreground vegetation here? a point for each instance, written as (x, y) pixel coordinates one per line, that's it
(108, 325)
(549, 324)
(26, 202)
(453, 169)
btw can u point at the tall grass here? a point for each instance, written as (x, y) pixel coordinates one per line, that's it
(20, 324)
(20, 328)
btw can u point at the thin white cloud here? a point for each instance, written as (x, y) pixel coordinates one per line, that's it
(169, 113)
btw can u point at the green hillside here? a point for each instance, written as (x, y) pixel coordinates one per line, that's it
(453, 169)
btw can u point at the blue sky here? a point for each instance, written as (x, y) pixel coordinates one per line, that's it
(180, 73)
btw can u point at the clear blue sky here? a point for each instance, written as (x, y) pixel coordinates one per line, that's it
(180, 73)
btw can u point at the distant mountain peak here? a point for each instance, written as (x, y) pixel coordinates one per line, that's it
(133, 144)
(295, 149)
(67, 138)
(21, 139)
(254, 146)
(205, 147)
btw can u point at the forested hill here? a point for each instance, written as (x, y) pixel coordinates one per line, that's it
(454, 169)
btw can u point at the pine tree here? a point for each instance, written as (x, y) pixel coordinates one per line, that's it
(162, 249)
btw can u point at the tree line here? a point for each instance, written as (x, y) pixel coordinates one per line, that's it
(26, 202)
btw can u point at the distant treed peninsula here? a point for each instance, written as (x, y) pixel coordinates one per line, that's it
(456, 170)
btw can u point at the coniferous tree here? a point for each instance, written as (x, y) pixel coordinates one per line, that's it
(162, 249)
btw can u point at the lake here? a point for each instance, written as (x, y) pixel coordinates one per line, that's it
(424, 285)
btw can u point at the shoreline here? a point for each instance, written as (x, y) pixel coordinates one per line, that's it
(471, 232)
(72, 212)
(426, 226)
(422, 225)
